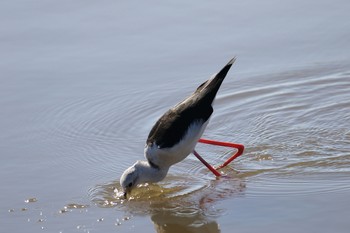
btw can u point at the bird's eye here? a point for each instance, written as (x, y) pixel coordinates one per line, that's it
(129, 185)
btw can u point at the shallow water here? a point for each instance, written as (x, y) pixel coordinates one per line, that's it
(82, 83)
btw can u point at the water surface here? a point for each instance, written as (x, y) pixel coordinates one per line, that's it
(83, 82)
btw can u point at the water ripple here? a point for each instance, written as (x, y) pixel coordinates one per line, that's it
(291, 126)
(295, 126)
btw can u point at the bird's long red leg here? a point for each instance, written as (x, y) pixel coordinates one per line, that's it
(213, 170)
(239, 147)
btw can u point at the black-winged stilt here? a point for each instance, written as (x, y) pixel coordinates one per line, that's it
(175, 134)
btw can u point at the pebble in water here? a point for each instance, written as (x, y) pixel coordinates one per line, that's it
(71, 206)
(64, 210)
(117, 222)
(126, 218)
(75, 206)
(29, 200)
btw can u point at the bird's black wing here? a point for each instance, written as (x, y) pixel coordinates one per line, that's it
(173, 125)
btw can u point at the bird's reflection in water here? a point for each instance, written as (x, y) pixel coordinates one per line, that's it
(196, 212)
(176, 205)
(183, 219)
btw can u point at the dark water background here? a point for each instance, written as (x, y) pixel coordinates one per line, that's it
(82, 83)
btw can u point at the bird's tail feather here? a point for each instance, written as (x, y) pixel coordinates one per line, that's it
(211, 87)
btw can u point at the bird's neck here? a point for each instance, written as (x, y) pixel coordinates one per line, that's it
(150, 173)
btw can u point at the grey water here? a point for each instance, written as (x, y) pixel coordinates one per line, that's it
(82, 83)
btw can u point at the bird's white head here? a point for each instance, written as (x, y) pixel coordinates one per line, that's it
(129, 179)
(141, 172)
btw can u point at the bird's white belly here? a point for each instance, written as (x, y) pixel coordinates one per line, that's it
(166, 157)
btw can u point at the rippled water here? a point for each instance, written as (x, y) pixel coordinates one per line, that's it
(82, 84)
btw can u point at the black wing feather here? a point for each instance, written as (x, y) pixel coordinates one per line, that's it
(172, 126)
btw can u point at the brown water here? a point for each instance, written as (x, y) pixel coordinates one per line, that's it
(83, 82)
